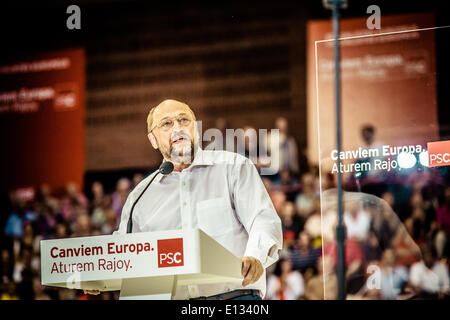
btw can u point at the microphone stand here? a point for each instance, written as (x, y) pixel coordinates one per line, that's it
(165, 168)
(336, 5)
(130, 219)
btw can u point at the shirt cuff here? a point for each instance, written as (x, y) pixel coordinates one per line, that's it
(262, 253)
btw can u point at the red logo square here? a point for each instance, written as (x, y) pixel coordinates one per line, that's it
(439, 153)
(170, 253)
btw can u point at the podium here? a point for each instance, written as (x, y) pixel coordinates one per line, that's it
(146, 265)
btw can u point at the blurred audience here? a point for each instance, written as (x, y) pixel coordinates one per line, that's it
(382, 254)
(119, 196)
(285, 283)
(429, 277)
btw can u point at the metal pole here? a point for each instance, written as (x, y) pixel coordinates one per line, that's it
(340, 231)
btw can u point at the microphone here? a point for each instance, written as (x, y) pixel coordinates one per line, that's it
(165, 168)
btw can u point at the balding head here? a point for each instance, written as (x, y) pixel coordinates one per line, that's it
(163, 108)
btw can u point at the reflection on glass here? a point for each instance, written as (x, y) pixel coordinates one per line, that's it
(397, 198)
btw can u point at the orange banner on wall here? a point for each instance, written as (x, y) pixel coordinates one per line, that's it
(388, 81)
(42, 119)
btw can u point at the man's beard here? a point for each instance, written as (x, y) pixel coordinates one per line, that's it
(183, 156)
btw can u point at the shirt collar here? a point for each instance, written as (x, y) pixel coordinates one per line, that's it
(201, 158)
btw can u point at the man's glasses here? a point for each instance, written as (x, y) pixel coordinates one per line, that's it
(167, 124)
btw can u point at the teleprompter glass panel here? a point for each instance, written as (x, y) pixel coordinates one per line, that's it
(395, 177)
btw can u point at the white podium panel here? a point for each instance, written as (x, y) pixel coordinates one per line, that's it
(147, 265)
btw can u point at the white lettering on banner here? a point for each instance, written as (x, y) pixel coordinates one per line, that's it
(355, 154)
(170, 257)
(440, 158)
(382, 158)
(362, 153)
(177, 260)
(118, 256)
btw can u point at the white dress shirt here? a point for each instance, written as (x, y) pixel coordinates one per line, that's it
(221, 193)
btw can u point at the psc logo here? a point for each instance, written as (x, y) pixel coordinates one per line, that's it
(439, 153)
(170, 253)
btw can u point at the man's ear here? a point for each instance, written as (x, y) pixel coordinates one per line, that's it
(152, 140)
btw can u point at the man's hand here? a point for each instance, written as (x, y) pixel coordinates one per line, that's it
(93, 292)
(251, 270)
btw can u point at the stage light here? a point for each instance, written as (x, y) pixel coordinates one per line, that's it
(423, 158)
(406, 160)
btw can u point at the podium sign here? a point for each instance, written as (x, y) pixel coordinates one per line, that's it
(105, 263)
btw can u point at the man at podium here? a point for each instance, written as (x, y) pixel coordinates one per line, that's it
(219, 192)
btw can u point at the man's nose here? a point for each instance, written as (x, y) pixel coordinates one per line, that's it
(176, 130)
(176, 125)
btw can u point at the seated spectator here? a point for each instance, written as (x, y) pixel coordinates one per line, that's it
(61, 231)
(313, 227)
(72, 200)
(111, 222)
(82, 226)
(46, 221)
(287, 146)
(14, 225)
(304, 257)
(357, 221)
(285, 283)
(406, 250)
(288, 184)
(44, 197)
(137, 177)
(119, 196)
(306, 200)
(429, 276)
(371, 248)
(23, 262)
(7, 266)
(97, 196)
(100, 214)
(392, 276)
(353, 252)
(22, 213)
(420, 228)
(384, 221)
(443, 213)
(324, 284)
(389, 198)
(291, 224)
(278, 199)
(440, 241)
(38, 290)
